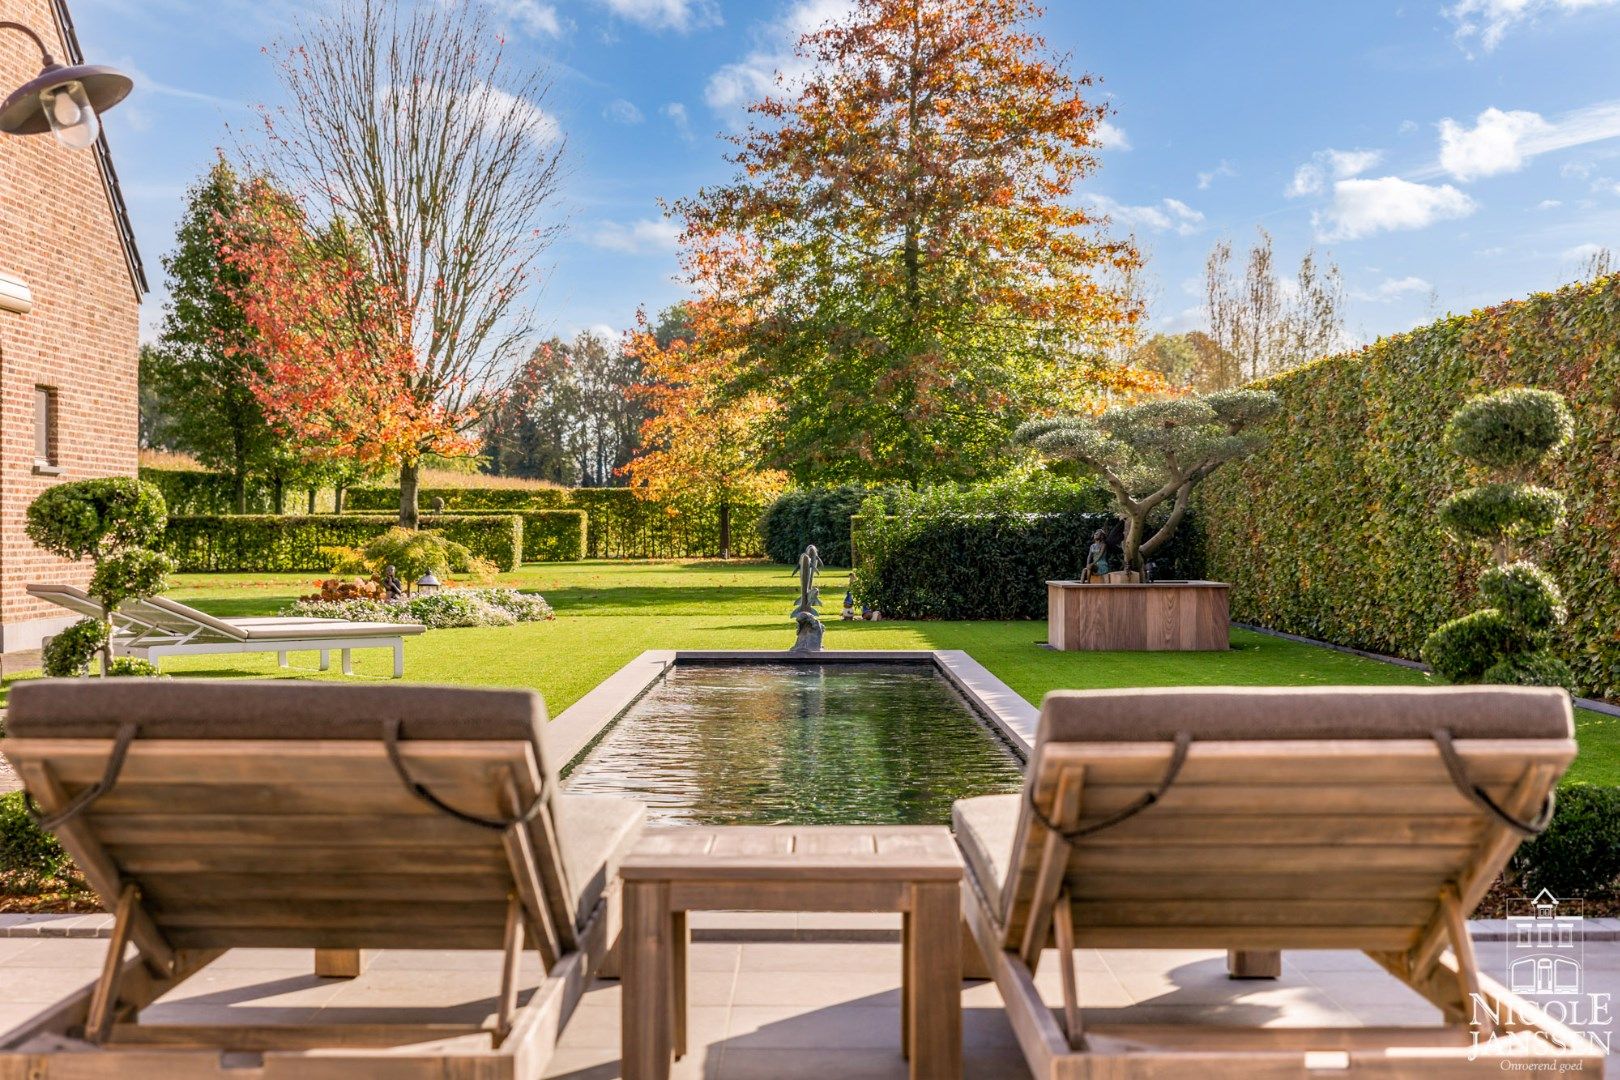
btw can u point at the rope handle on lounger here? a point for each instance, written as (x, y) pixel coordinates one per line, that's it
(1482, 798)
(81, 802)
(1178, 758)
(420, 790)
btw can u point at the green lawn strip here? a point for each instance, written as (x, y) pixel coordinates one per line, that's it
(610, 611)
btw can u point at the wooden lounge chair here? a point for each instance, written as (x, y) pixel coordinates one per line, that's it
(1224, 818)
(215, 815)
(157, 627)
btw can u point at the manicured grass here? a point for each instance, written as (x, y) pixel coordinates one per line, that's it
(608, 612)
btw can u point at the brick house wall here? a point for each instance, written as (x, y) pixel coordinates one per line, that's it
(60, 235)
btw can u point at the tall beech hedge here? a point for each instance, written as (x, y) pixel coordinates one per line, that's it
(619, 524)
(272, 542)
(1331, 529)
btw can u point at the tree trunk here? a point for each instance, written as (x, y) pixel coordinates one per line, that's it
(312, 499)
(337, 498)
(279, 490)
(408, 475)
(1133, 542)
(239, 488)
(725, 529)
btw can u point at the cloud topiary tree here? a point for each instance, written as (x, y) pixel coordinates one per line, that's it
(112, 521)
(1155, 453)
(1507, 435)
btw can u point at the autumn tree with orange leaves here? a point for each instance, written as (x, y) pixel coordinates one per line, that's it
(928, 279)
(702, 442)
(336, 358)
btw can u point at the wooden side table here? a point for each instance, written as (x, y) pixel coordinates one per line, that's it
(914, 870)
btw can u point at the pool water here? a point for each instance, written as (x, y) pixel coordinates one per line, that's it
(800, 744)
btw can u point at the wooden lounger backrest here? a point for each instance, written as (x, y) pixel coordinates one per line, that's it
(1313, 842)
(303, 841)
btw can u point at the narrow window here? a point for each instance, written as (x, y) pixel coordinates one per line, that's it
(45, 448)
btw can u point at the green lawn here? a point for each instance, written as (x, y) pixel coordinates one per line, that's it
(607, 612)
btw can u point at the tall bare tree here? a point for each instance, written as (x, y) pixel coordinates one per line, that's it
(408, 122)
(1263, 324)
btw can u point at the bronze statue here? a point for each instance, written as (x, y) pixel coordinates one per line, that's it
(810, 630)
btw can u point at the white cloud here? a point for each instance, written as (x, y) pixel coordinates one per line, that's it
(1311, 178)
(1548, 204)
(1394, 289)
(1224, 169)
(1361, 207)
(737, 84)
(1166, 215)
(648, 234)
(1407, 127)
(530, 16)
(1580, 252)
(681, 15)
(1495, 144)
(676, 113)
(1502, 141)
(534, 122)
(1490, 20)
(1107, 136)
(623, 112)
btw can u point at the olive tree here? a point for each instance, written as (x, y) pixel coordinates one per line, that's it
(1507, 435)
(1155, 453)
(111, 521)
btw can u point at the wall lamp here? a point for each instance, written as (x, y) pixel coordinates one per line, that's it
(63, 100)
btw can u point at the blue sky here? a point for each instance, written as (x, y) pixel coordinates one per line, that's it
(1447, 153)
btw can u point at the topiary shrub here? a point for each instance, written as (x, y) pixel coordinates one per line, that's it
(67, 654)
(1155, 454)
(1579, 854)
(110, 520)
(1509, 433)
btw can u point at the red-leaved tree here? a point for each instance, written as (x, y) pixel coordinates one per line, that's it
(338, 362)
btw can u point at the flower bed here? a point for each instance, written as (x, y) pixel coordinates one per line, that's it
(452, 608)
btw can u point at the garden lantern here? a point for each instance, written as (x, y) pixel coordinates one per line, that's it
(427, 584)
(65, 100)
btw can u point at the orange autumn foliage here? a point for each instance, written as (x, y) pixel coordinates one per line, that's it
(340, 377)
(702, 441)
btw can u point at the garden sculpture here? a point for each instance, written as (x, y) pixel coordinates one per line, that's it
(804, 612)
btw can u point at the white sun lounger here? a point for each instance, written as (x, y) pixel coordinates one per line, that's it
(158, 627)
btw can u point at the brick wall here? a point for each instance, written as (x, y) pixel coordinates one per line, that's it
(57, 233)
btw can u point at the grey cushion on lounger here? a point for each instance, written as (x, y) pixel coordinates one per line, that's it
(986, 828)
(1328, 712)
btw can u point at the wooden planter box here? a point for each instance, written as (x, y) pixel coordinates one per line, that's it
(1182, 616)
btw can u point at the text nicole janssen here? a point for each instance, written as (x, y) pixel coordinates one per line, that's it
(1497, 1028)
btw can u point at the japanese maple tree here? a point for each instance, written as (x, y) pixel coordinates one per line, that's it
(702, 440)
(929, 276)
(337, 366)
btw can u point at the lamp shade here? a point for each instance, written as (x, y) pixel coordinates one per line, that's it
(24, 111)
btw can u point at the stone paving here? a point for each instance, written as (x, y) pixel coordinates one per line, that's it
(779, 1010)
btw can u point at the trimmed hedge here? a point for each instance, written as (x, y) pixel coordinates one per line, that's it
(554, 535)
(818, 516)
(619, 523)
(273, 542)
(362, 500)
(190, 491)
(987, 565)
(1330, 530)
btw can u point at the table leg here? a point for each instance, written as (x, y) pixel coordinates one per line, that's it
(907, 944)
(934, 971)
(326, 659)
(646, 978)
(1253, 964)
(341, 963)
(680, 939)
